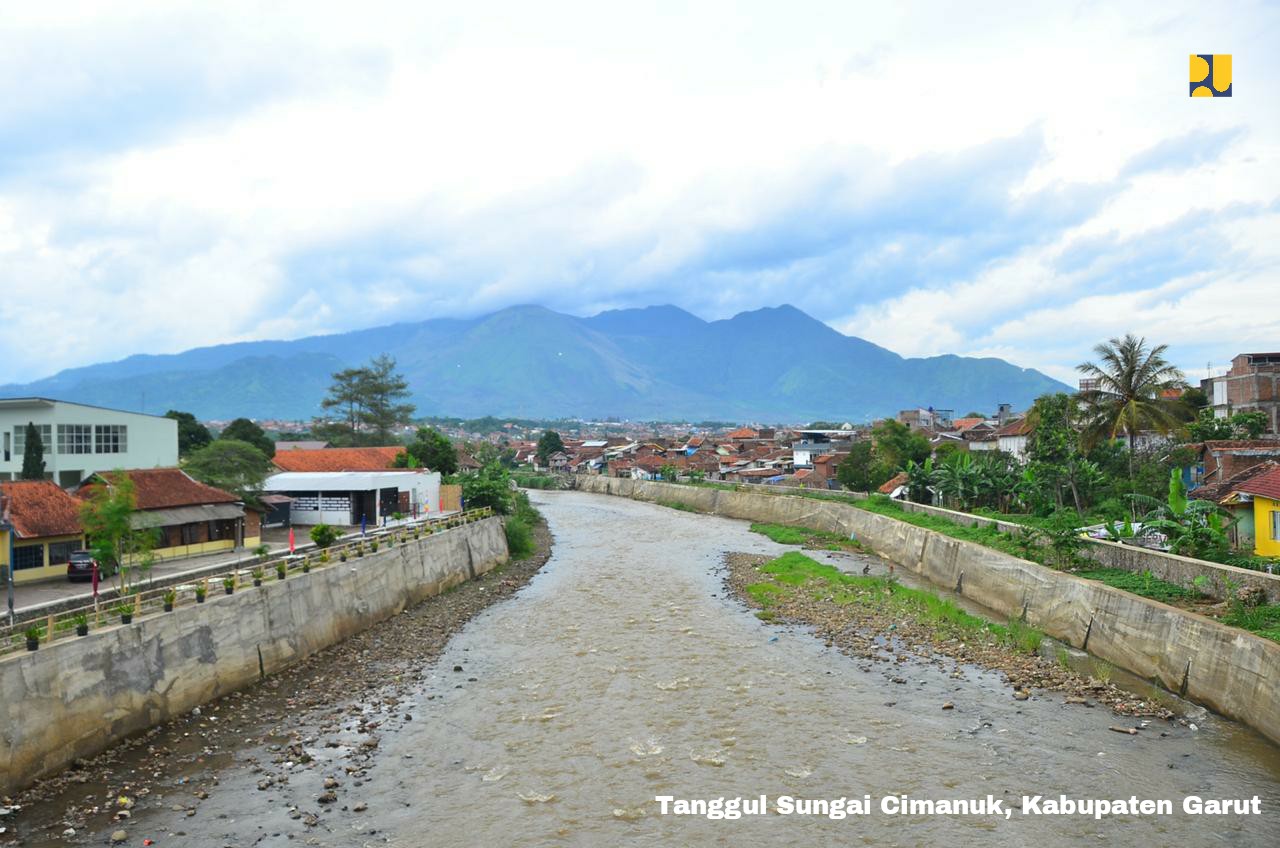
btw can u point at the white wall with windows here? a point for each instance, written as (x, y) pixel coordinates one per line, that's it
(80, 440)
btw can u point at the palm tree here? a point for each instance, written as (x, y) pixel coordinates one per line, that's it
(1128, 397)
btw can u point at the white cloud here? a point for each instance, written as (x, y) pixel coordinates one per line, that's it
(193, 174)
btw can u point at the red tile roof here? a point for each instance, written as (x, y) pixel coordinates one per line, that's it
(339, 459)
(1266, 485)
(899, 479)
(164, 488)
(1219, 491)
(1020, 427)
(39, 508)
(743, 433)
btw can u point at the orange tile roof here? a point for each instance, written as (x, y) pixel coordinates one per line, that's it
(39, 508)
(339, 459)
(899, 479)
(963, 424)
(1266, 485)
(743, 433)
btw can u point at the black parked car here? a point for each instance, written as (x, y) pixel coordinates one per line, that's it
(81, 566)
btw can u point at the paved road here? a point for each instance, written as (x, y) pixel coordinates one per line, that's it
(47, 591)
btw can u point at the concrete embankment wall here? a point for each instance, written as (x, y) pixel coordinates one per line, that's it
(75, 697)
(1231, 671)
(1175, 569)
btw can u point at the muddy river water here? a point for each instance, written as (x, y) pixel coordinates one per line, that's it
(622, 673)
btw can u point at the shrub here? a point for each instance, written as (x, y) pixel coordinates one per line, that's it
(324, 535)
(520, 541)
(261, 551)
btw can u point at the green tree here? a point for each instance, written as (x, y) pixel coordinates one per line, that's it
(244, 430)
(385, 393)
(860, 471)
(192, 435)
(432, 450)
(1208, 427)
(1249, 425)
(548, 444)
(108, 517)
(346, 394)
(896, 444)
(490, 486)
(372, 402)
(669, 473)
(231, 465)
(33, 454)
(1132, 380)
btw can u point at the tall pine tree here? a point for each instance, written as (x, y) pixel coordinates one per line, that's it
(33, 455)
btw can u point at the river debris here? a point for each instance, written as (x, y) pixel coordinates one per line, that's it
(877, 634)
(337, 702)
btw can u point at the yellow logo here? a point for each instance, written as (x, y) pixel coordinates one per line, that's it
(1211, 75)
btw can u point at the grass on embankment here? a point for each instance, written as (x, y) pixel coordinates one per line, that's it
(786, 534)
(795, 572)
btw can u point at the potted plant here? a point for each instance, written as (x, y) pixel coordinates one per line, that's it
(282, 570)
(324, 556)
(229, 584)
(81, 621)
(306, 565)
(124, 609)
(201, 591)
(261, 552)
(342, 556)
(257, 576)
(170, 597)
(373, 546)
(359, 550)
(34, 634)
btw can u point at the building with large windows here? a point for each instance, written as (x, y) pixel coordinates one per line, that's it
(80, 440)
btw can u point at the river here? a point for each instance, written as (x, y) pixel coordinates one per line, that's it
(622, 673)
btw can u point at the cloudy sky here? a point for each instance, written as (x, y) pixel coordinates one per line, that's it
(1018, 180)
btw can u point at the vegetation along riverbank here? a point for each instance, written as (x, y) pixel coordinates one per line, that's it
(878, 619)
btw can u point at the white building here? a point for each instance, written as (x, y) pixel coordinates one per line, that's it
(80, 440)
(343, 498)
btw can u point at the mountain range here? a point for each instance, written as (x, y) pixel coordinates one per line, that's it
(773, 364)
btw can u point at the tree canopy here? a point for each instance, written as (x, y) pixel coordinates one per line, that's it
(549, 443)
(431, 449)
(231, 465)
(372, 401)
(192, 435)
(1133, 383)
(244, 430)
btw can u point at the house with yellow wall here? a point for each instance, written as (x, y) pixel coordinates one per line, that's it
(1264, 493)
(40, 525)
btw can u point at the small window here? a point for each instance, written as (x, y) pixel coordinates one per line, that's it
(28, 556)
(1275, 525)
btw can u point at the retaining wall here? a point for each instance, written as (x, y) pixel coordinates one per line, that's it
(1231, 671)
(76, 697)
(1171, 567)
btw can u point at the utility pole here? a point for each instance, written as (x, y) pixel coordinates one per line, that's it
(7, 527)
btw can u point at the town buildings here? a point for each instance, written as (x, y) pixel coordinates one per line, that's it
(351, 486)
(1252, 384)
(80, 440)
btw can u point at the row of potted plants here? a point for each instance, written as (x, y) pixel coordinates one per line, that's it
(125, 609)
